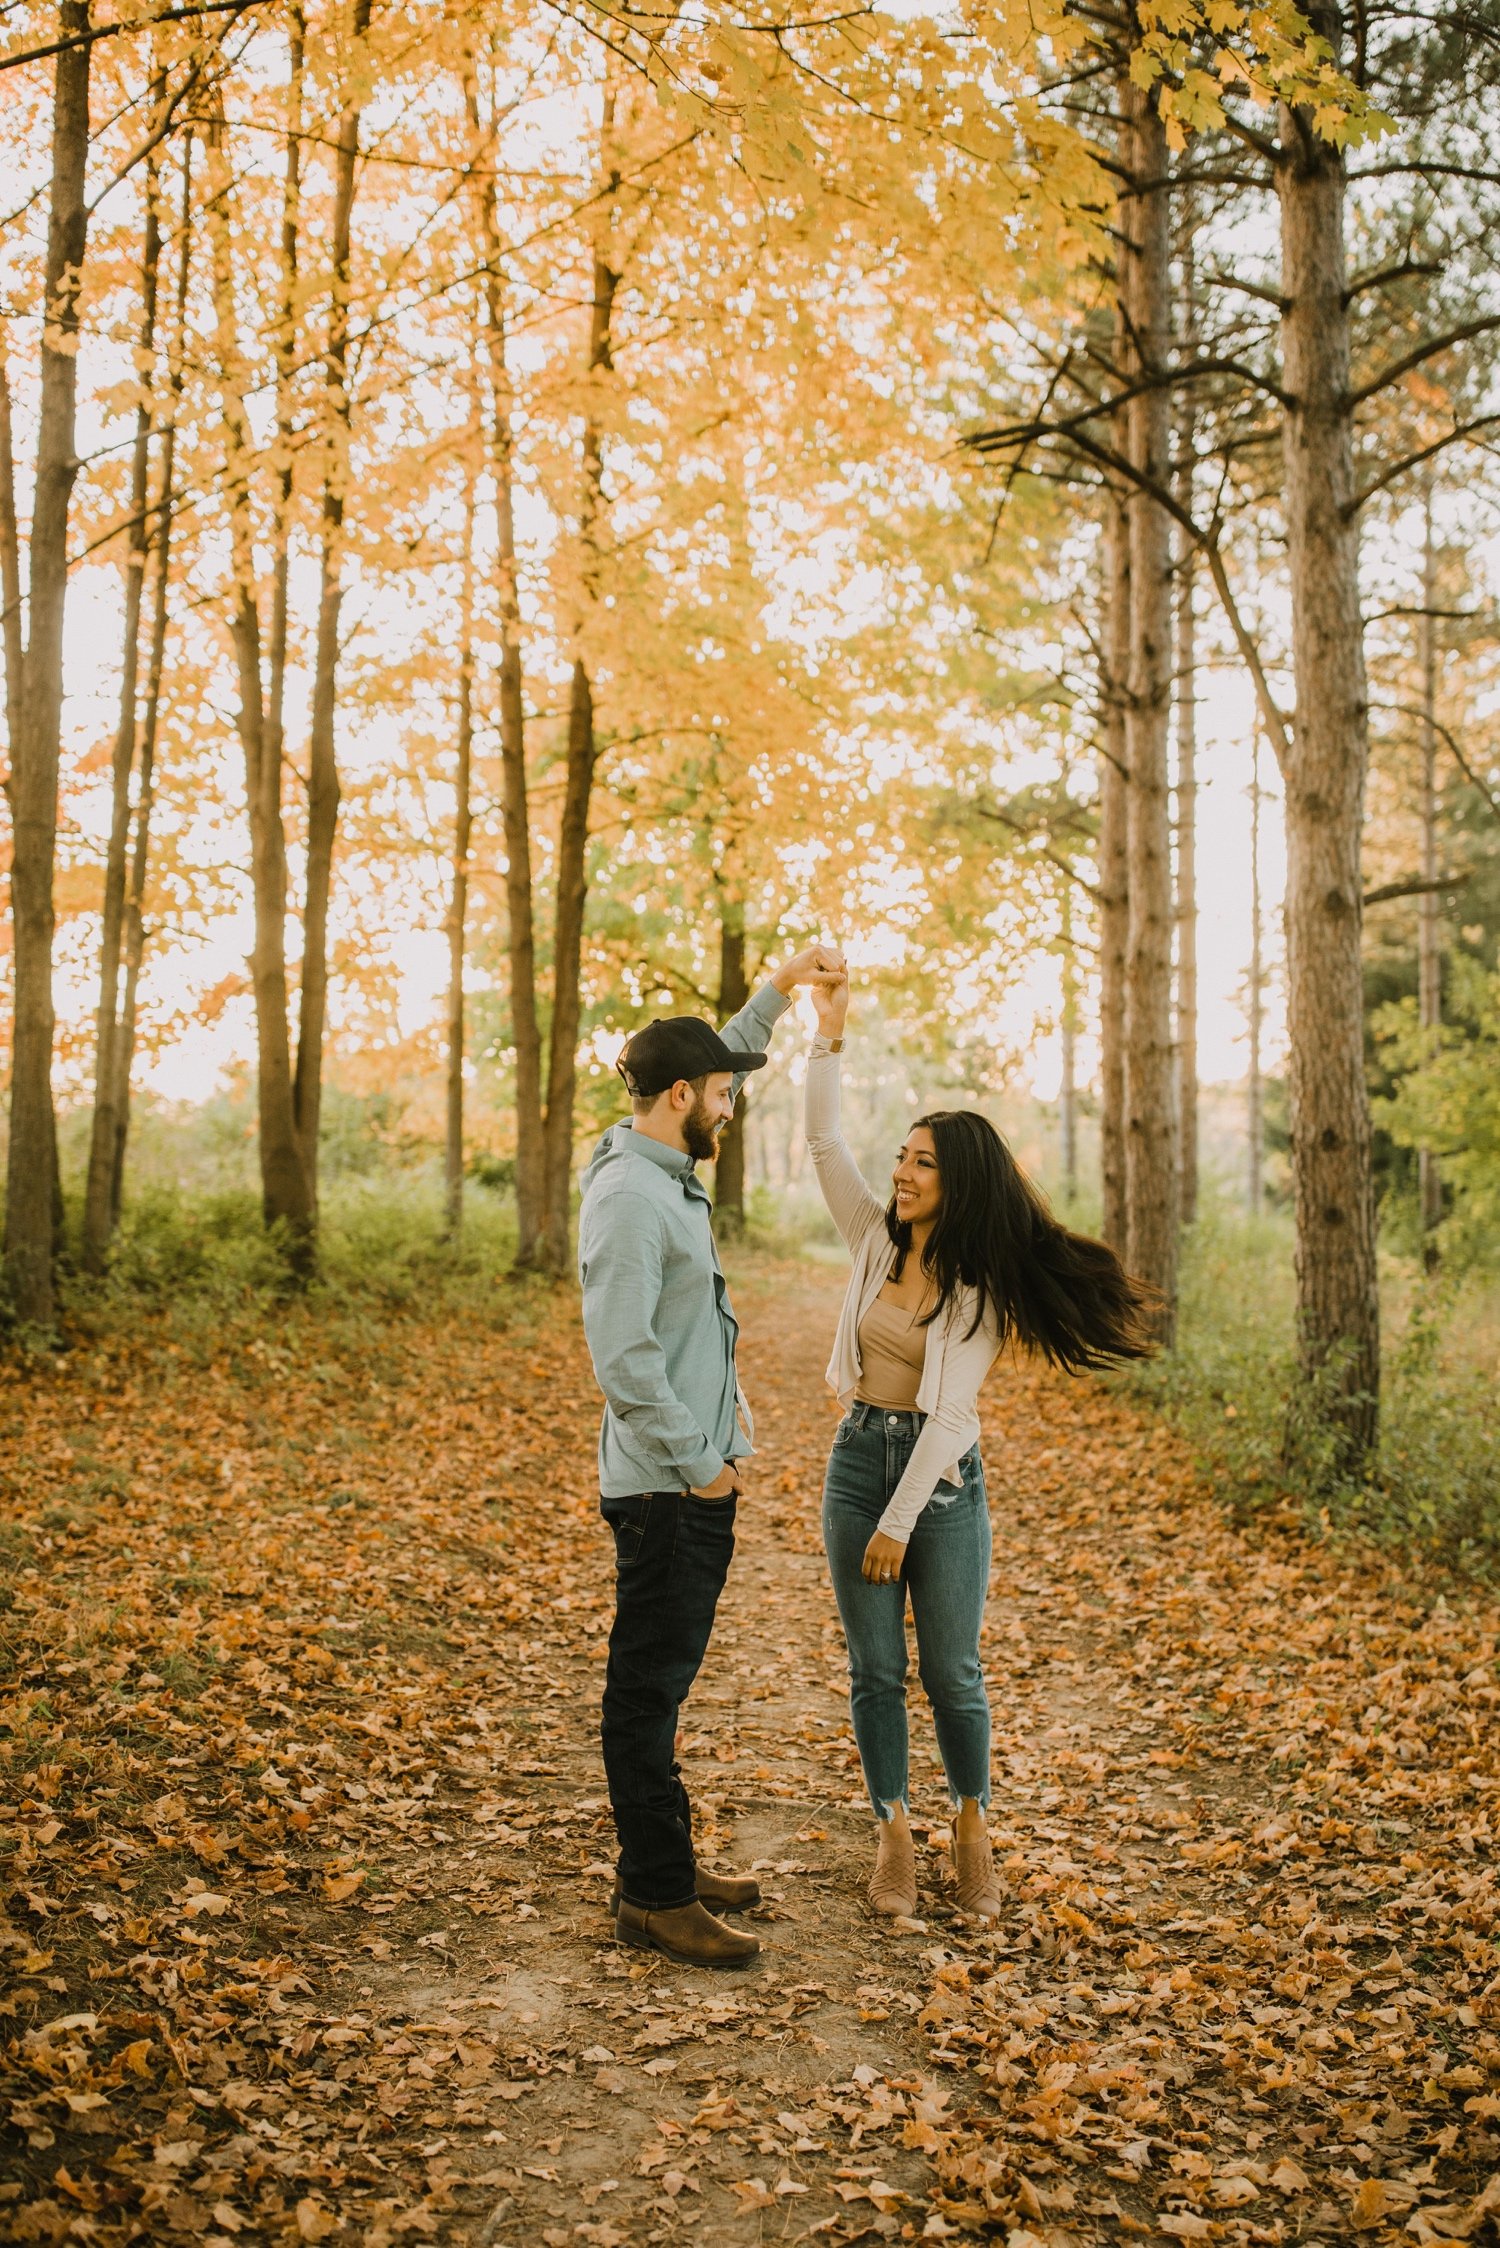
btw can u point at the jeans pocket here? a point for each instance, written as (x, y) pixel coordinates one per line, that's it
(628, 1519)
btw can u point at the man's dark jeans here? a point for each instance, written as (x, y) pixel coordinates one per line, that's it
(672, 1554)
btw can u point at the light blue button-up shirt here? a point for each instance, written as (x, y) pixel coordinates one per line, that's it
(656, 1311)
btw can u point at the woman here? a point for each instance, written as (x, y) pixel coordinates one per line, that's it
(964, 1258)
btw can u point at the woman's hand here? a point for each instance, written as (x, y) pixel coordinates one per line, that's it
(883, 1559)
(831, 1006)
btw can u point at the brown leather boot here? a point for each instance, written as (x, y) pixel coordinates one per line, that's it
(688, 1934)
(721, 1892)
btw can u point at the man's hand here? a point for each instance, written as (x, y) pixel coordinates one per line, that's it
(819, 964)
(883, 1559)
(725, 1485)
(831, 1006)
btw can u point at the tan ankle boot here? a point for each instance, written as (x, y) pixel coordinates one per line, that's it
(974, 1872)
(687, 1934)
(893, 1884)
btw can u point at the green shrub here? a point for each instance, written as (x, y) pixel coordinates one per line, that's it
(1260, 1433)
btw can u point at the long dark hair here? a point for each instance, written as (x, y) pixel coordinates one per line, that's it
(1055, 1292)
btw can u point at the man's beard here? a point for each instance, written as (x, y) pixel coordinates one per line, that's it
(700, 1133)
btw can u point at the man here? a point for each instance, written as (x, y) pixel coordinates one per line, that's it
(662, 1335)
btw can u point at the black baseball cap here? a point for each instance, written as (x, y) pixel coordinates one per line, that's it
(674, 1047)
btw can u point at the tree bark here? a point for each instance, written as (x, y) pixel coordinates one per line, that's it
(13, 640)
(135, 896)
(1114, 869)
(1254, 1114)
(1067, 1091)
(734, 992)
(572, 841)
(1150, 1087)
(458, 892)
(97, 1195)
(526, 1035)
(322, 760)
(31, 1180)
(1186, 908)
(1338, 1307)
(1429, 950)
(285, 1197)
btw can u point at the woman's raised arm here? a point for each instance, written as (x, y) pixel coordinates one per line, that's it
(852, 1205)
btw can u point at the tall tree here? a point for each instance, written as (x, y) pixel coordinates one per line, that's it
(1151, 1202)
(1429, 947)
(286, 1198)
(97, 1206)
(520, 907)
(1186, 707)
(458, 886)
(1114, 865)
(134, 917)
(31, 1169)
(582, 744)
(322, 761)
(1338, 1303)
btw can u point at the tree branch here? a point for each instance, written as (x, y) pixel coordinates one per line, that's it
(110, 30)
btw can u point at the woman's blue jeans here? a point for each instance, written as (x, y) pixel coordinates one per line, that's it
(946, 1573)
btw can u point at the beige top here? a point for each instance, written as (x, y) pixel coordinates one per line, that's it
(892, 1354)
(956, 1361)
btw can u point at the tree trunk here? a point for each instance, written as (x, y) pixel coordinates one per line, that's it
(1254, 1113)
(135, 897)
(1114, 869)
(1338, 1305)
(31, 1181)
(1067, 1091)
(322, 762)
(13, 639)
(285, 1198)
(572, 841)
(97, 1197)
(734, 991)
(1186, 911)
(1429, 952)
(458, 894)
(1150, 1088)
(526, 1035)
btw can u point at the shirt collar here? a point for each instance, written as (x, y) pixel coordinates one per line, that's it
(675, 1160)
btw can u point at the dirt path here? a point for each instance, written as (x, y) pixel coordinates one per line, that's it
(310, 1848)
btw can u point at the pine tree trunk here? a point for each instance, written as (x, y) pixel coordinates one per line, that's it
(1429, 950)
(1186, 909)
(97, 1199)
(135, 895)
(734, 992)
(285, 1197)
(458, 893)
(1150, 1084)
(322, 761)
(1067, 1091)
(1254, 1111)
(31, 1180)
(1338, 1305)
(526, 1035)
(572, 841)
(1114, 869)
(12, 639)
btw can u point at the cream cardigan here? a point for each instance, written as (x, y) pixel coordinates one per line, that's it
(956, 1362)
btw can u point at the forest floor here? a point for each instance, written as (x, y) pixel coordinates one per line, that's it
(306, 1854)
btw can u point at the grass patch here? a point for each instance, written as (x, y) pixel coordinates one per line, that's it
(1230, 1386)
